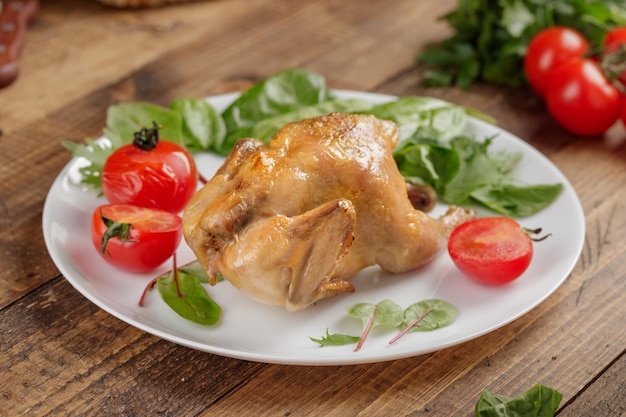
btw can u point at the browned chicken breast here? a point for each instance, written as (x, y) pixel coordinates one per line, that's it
(290, 222)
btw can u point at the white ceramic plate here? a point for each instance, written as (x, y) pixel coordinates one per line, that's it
(252, 331)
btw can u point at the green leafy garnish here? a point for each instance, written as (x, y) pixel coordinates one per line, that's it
(490, 37)
(336, 339)
(464, 172)
(278, 94)
(538, 401)
(427, 315)
(385, 313)
(181, 290)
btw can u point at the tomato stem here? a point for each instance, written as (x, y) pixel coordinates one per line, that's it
(530, 232)
(613, 66)
(147, 138)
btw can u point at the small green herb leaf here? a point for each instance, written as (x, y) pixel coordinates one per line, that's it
(517, 201)
(427, 315)
(385, 313)
(181, 290)
(335, 339)
(278, 94)
(538, 401)
(203, 128)
(434, 314)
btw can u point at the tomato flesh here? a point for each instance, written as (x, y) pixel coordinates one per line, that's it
(491, 250)
(154, 236)
(163, 178)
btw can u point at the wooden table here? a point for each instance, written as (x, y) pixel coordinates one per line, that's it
(62, 355)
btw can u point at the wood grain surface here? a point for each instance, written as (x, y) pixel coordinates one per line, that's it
(62, 355)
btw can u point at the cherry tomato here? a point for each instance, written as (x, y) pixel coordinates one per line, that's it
(133, 238)
(549, 49)
(581, 99)
(491, 250)
(150, 173)
(614, 38)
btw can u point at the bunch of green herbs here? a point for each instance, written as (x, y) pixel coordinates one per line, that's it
(490, 37)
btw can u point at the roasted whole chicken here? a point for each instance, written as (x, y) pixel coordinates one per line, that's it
(290, 222)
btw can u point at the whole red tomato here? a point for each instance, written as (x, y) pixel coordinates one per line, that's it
(549, 49)
(581, 99)
(491, 250)
(133, 238)
(150, 173)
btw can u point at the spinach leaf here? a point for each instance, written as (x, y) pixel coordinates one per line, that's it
(538, 401)
(266, 128)
(464, 172)
(385, 313)
(517, 201)
(428, 163)
(432, 314)
(124, 119)
(422, 117)
(203, 128)
(181, 290)
(478, 167)
(427, 315)
(278, 94)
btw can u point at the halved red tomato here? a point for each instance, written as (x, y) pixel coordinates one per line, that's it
(133, 238)
(491, 250)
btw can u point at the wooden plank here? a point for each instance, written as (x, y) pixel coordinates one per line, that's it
(100, 366)
(606, 396)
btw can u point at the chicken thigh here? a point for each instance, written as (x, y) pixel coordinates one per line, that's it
(290, 222)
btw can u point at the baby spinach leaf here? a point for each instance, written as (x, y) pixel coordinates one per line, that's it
(422, 117)
(181, 290)
(281, 93)
(203, 128)
(478, 168)
(124, 119)
(335, 339)
(427, 315)
(385, 313)
(266, 128)
(517, 201)
(428, 163)
(538, 401)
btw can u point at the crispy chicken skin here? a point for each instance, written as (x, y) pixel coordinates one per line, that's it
(290, 222)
